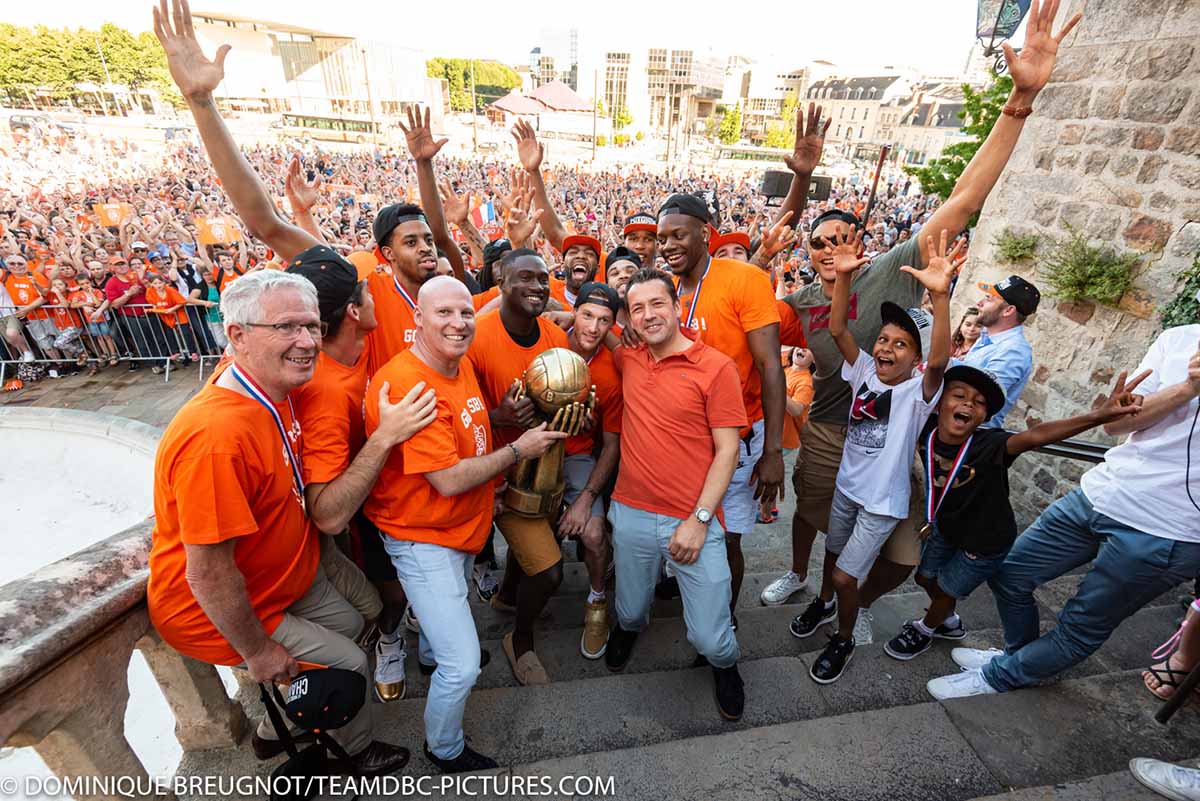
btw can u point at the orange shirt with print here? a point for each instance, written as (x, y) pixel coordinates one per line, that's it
(609, 405)
(397, 327)
(735, 299)
(24, 290)
(330, 409)
(91, 299)
(168, 297)
(403, 504)
(666, 441)
(499, 360)
(63, 315)
(221, 474)
(227, 277)
(799, 389)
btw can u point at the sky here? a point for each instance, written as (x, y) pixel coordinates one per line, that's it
(856, 35)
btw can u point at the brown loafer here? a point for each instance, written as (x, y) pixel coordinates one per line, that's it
(528, 669)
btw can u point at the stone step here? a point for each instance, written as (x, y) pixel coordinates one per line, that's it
(1120, 786)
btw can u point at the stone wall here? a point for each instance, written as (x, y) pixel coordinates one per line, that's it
(1113, 150)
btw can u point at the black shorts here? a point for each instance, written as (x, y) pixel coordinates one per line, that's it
(376, 563)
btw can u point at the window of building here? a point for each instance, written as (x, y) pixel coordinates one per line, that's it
(861, 131)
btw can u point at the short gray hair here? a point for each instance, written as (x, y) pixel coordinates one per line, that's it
(241, 301)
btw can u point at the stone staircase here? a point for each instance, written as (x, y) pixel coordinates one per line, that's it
(875, 734)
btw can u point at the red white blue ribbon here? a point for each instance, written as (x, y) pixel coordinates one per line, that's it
(691, 315)
(931, 508)
(257, 392)
(407, 298)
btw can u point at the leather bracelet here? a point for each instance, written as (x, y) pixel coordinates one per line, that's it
(1017, 112)
(516, 453)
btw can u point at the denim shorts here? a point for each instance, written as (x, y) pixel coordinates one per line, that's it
(958, 572)
(98, 329)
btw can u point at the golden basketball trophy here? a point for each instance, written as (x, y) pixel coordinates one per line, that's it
(560, 386)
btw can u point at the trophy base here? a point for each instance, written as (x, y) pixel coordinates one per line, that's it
(533, 504)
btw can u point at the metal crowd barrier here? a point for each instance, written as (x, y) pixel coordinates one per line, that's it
(133, 333)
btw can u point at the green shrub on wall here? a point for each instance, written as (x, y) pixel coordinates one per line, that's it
(1013, 247)
(1078, 270)
(1184, 309)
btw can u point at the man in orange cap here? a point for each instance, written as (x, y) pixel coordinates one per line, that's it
(733, 245)
(581, 261)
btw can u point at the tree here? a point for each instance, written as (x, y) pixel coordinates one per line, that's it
(622, 119)
(979, 114)
(782, 134)
(493, 80)
(730, 130)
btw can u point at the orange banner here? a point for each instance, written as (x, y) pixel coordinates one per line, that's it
(217, 230)
(112, 214)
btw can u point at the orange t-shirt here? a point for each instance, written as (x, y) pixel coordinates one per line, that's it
(221, 473)
(24, 290)
(403, 504)
(365, 262)
(499, 360)
(485, 297)
(558, 291)
(397, 327)
(92, 300)
(227, 277)
(666, 441)
(791, 330)
(799, 389)
(735, 299)
(609, 406)
(330, 409)
(63, 315)
(166, 299)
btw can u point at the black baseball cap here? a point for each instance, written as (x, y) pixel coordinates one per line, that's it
(334, 277)
(622, 253)
(494, 251)
(917, 322)
(640, 221)
(391, 216)
(600, 294)
(982, 380)
(1016, 292)
(690, 205)
(325, 698)
(836, 214)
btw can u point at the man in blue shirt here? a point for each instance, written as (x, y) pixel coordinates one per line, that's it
(1002, 349)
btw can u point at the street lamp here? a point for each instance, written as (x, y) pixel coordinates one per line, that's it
(995, 21)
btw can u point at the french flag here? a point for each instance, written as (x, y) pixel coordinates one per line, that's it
(483, 214)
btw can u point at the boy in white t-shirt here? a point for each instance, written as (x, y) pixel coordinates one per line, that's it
(891, 404)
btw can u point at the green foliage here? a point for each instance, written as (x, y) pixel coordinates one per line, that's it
(493, 80)
(1077, 270)
(1184, 309)
(979, 114)
(601, 140)
(640, 136)
(730, 130)
(57, 58)
(783, 133)
(620, 139)
(622, 119)
(1013, 247)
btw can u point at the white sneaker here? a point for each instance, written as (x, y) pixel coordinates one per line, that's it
(974, 658)
(960, 685)
(389, 670)
(1171, 781)
(410, 620)
(781, 589)
(862, 628)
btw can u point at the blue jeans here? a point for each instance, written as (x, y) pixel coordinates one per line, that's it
(640, 541)
(435, 580)
(1131, 568)
(956, 571)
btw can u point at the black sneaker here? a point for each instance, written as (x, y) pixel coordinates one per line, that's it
(833, 660)
(667, 589)
(620, 646)
(956, 632)
(813, 617)
(908, 643)
(427, 670)
(466, 762)
(379, 758)
(730, 694)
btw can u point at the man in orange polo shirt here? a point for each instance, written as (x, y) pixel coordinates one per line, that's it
(434, 502)
(731, 306)
(506, 341)
(682, 422)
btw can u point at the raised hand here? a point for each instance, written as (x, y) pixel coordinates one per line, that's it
(810, 139)
(847, 251)
(1031, 68)
(778, 237)
(529, 149)
(1122, 401)
(194, 73)
(455, 208)
(301, 193)
(419, 136)
(938, 275)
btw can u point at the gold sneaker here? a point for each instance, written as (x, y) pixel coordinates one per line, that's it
(389, 670)
(595, 630)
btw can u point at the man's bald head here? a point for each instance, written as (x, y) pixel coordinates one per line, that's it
(445, 318)
(442, 287)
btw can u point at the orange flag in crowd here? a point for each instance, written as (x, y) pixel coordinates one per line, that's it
(217, 230)
(112, 214)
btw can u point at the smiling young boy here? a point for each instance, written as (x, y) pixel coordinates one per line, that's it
(891, 403)
(966, 475)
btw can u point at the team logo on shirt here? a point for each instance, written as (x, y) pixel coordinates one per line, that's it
(943, 465)
(818, 316)
(699, 324)
(480, 440)
(869, 414)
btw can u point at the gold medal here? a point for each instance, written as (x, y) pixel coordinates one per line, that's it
(925, 531)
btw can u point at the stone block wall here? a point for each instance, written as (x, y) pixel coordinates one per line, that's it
(1113, 150)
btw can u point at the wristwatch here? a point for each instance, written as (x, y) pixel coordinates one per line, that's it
(703, 515)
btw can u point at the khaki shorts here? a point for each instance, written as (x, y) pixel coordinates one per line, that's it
(815, 478)
(531, 540)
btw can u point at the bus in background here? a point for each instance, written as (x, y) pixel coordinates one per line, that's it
(332, 129)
